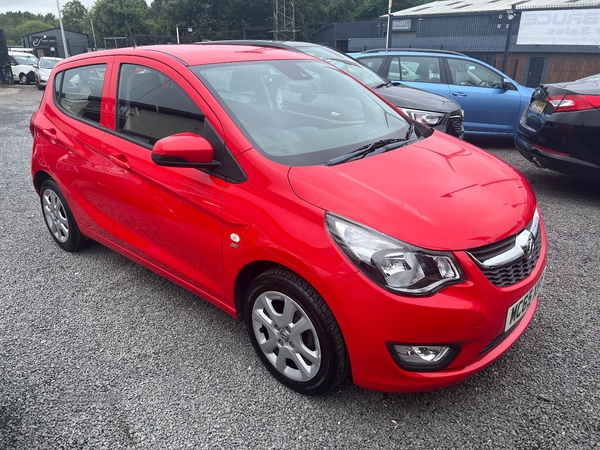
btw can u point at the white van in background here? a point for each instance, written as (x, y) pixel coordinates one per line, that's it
(22, 66)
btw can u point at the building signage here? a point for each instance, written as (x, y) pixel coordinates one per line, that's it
(562, 27)
(401, 24)
(43, 41)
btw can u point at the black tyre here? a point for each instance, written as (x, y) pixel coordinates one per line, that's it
(294, 333)
(23, 79)
(39, 86)
(59, 218)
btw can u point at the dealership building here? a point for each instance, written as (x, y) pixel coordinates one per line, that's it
(50, 43)
(533, 41)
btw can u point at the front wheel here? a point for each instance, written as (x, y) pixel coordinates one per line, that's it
(59, 218)
(294, 333)
(23, 79)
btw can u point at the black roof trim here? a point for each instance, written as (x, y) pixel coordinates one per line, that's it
(432, 50)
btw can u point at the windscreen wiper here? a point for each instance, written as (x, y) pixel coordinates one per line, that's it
(380, 85)
(372, 149)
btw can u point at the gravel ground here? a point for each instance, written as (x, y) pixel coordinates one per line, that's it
(96, 352)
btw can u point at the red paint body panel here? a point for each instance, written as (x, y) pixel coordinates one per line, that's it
(201, 230)
(470, 314)
(430, 186)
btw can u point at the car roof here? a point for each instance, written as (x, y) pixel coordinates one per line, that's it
(398, 51)
(204, 53)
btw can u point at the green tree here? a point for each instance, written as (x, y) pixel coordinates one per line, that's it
(110, 17)
(9, 21)
(210, 19)
(75, 16)
(370, 9)
(32, 26)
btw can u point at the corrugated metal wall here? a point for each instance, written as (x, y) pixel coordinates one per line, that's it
(76, 42)
(484, 36)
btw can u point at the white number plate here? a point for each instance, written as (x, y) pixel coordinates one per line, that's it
(518, 310)
(537, 106)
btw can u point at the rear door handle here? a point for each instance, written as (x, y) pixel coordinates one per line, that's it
(50, 134)
(459, 94)
(120, 161)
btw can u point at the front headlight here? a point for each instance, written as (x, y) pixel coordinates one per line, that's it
(393, 264)
(427, 117)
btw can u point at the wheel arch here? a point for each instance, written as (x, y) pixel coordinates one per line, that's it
(245, 278)
(39, 178)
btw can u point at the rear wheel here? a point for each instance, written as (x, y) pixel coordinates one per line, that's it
(294, 333)
(59, 218)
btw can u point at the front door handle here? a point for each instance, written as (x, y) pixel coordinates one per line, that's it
(120, 161)
(459, 94)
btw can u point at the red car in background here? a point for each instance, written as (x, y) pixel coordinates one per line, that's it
(351, 240)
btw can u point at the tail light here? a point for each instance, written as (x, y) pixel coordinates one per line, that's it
(573, 102)
(31, 125)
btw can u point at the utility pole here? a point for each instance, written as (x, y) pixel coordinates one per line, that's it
(284, 26)
(93, 34)
(62, 31)
(510, 15)
(388, 40)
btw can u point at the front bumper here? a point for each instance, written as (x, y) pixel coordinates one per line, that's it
(471, 316)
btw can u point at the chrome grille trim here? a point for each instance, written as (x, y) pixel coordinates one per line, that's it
(454, 127)
(513, 259)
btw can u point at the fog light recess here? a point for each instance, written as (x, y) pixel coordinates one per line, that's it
(423, 358)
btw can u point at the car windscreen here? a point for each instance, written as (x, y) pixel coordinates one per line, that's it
(345, 63)
(300, 112)
(47, 63)
(28, 60)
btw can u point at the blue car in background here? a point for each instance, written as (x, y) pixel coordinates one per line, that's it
(493, 103)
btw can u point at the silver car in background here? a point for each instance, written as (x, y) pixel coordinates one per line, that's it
(43, 69)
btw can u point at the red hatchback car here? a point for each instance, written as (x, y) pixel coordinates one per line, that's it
(351, 240)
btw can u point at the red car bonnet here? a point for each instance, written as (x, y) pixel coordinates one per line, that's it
(439, 193)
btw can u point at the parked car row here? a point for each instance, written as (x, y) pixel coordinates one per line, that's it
(292, 196)
(492, 102)
(27, 68)
(557, 126)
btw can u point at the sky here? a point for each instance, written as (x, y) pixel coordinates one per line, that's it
(40, 6)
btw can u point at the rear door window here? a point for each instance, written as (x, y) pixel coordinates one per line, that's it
(424, 69)
(79, 91)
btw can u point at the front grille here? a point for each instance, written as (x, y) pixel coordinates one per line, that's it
(454, 127)
(513, 272)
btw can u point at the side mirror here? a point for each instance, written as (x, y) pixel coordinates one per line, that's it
(184, 150)
(507, 85)
(35, 66)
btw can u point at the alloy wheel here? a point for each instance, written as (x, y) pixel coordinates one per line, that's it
(55, 215)
(286, 336)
